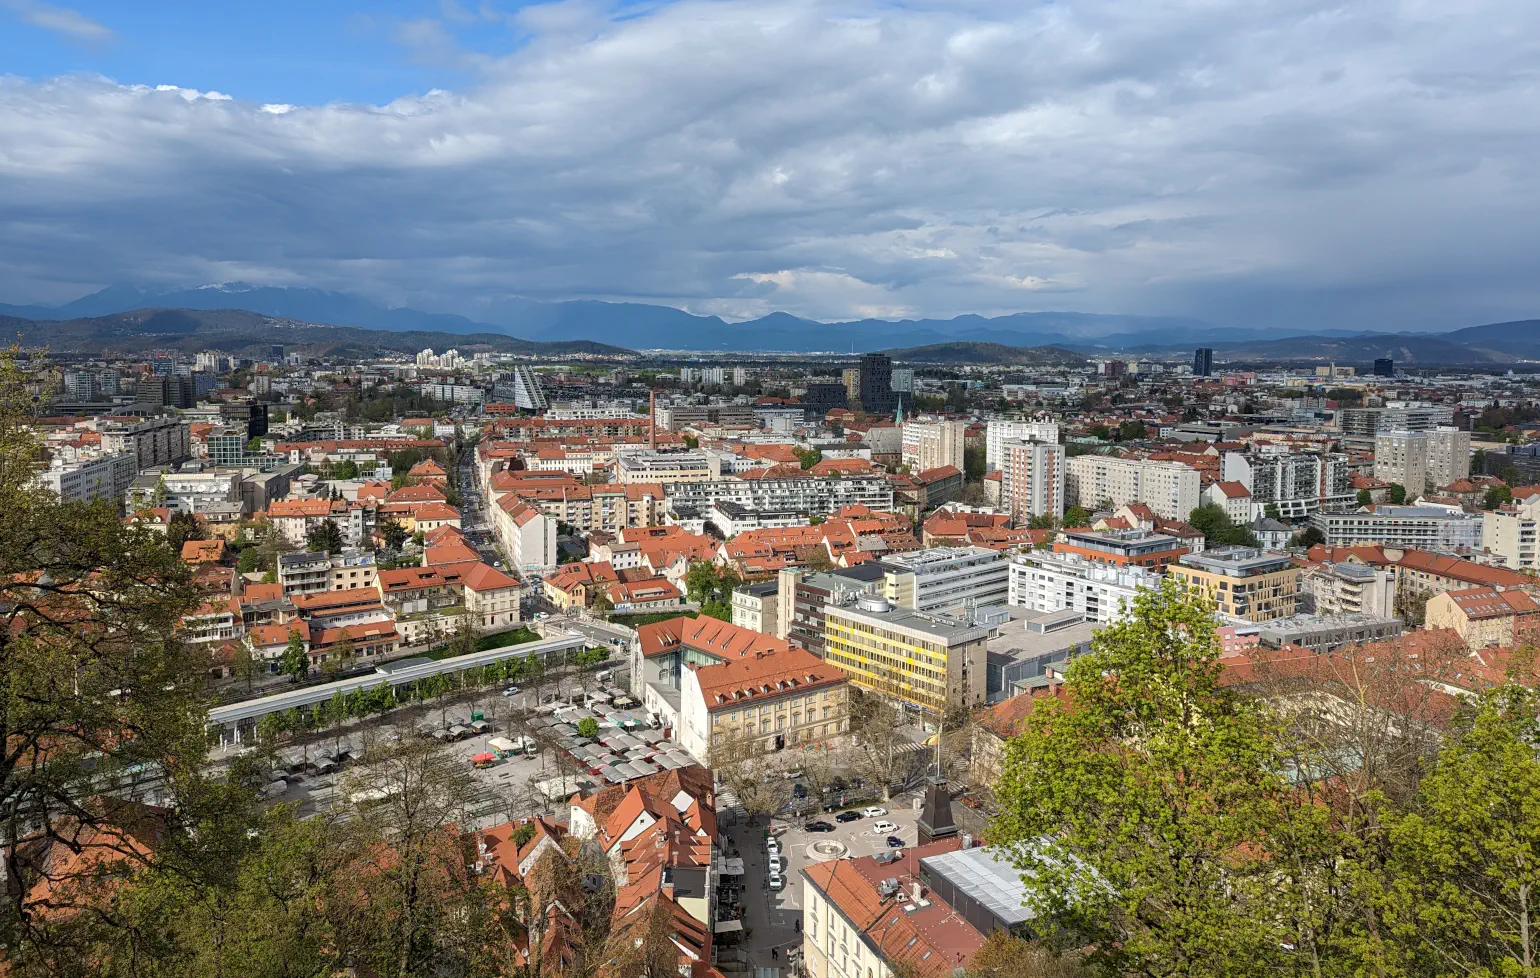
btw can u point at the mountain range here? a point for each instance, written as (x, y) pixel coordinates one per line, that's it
(642, 326)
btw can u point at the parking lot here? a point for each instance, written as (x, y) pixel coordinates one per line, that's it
(772, 918)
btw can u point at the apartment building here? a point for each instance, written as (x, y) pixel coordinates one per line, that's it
(294, 518)
(774, 698)
(946, 579)
(1170, 489)
(661, 468)
(153, 441)
(1410, 527)
(1422, 460)
(1348, 589)
(1246, 582)
(932, 444)
(1366, 423)
(1235, 499)
(106, 477)
(756, 606)
(813, 496)
(1510, 535)
(1486, 616)
(804, 597)
(304, 573)
(930, 661)
(1055, 582)
(999, 431)
(1032, 480)
(1122, 548)
(1295, 483)
(528, 536)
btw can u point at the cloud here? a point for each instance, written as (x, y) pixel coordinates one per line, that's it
(72, 24)
(1304, 163)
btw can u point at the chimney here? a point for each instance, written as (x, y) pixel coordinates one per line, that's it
(916, 893)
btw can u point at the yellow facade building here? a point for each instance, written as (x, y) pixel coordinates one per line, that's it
(933, 661)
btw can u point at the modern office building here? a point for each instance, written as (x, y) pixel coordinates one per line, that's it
(661, 468)
(1366, 422)
(803, 597)
(1384, 367)
(876, 384)
(1436, 528)
(1122, 548)
(1055, 582)
(1032, 480)
(1246, 582)
(823, 396)
(1203, 362)
(933, 662)
(1327, 633)
(946, 579)
(525, 390)
(998, 432)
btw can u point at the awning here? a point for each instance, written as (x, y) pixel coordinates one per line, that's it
(728, 926)
(730, 866)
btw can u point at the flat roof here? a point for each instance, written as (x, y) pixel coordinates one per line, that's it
(940, 626)
(1031, 634)
(987, 876)
(311, 695)
(1237, 561)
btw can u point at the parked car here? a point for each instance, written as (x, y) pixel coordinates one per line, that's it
(848, 817)
(818, 826)
(874, 812)
(883, 828)
(775, 865)
(894, 842)
(775, 881)
(511, 691)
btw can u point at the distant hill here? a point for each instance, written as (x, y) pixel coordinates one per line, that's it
(635, 325)
(999, 353)
(240, 331)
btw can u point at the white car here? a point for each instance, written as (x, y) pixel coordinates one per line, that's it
(776, 881)
(874, 812)
(883, 828)
(775, 865)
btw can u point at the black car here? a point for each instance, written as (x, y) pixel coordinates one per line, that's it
(848, 817)
(894, 842)
(818, 826)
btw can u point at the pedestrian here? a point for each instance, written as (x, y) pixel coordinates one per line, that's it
(775, 954)
(799, 925)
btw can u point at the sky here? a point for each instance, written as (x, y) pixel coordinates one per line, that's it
(1289, 164)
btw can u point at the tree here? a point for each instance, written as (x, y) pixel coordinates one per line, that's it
(1271, 511)
(1141, 808)
(1047, 521)
(183, 527)
(1132, 431)
(1005, 956)
(1365, 497)
(324, 537)
(295, 661)
(809, 457)
(1497, 496)
(393, 533)
(1397, 493)
(880, 750)
(1077, 516)
(1309, 537)
(96, 681)
(739, 758)
(974, 463)
(1214, 523)
(1463, 886)
(588, 728)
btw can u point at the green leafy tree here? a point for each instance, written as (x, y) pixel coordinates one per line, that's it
(588, 728)
(1214, 523)
(1309, 537)
(1463, 885)
(1397, 493)
(295, 661)
(1132, 431)
(1497, 496)
(974, 463)
(1140, 808)
(393, 533)
(324, 537)
(1045, 522)
(1077, 516)
(809, 457)
(1365, 497)
(183, 527)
